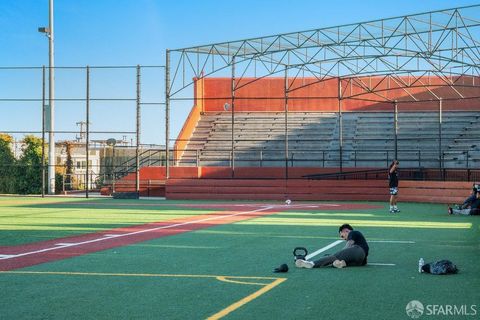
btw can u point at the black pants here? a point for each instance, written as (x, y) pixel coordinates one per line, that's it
(467, 212)
(353, 256)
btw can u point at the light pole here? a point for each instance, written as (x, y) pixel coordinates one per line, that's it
(51, 100)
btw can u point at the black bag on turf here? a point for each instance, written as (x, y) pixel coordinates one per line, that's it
(281, 268)
(440, 267)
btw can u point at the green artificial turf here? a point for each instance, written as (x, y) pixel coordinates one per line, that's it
(161, 278)
(27, 220)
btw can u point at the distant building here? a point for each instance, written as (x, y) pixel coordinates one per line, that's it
(103, 161)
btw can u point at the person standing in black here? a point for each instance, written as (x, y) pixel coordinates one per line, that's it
(393, 185)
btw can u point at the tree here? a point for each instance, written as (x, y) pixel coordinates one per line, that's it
(29, 168)
(69, 166)
(7, 163)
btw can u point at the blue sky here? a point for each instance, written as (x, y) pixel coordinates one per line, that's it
(131, 32)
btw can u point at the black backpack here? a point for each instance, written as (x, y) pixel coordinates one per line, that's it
(440, 267)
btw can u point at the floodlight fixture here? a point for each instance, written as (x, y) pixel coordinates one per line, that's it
(45, 30)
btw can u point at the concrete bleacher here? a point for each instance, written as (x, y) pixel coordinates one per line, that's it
(259, 138)
(368, 139)
(417, 137)
(465, 147)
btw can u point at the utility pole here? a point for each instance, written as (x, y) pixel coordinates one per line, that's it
(82, 125)
(51, 100)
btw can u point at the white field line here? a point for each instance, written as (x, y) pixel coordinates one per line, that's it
(391, 241)
(5, 256)
(304, 205)
(331, 245)
(108, 237)
(293, 205)
(335, 243)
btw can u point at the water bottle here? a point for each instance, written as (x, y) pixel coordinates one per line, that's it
(421, 262)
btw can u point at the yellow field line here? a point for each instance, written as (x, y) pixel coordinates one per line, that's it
(74, 273)
(226, 279)
(129, 274)
(218, 315)
(246, 300)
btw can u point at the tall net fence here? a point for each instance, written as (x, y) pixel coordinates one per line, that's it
(104, 119)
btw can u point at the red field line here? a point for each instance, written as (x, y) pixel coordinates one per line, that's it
(15, 257)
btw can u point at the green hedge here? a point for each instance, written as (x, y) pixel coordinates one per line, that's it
(22, 175)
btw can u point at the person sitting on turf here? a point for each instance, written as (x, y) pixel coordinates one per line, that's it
(354, 254)
(472, 209)
(471, 198)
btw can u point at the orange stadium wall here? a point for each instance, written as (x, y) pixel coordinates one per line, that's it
(192, 119)
(218, 188)
(152, 180)
(270, 184)
(267, 94)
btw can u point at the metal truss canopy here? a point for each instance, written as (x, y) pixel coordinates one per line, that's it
(430, 56)
(442, 44)
(380, 31)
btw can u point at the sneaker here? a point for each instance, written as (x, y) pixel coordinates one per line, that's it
(392, 211)
(299, 263)
(396, 210)
(450, 211)
(339, 264)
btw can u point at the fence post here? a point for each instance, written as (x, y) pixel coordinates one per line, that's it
(113, 169)
(395, 127)
(232, 163)
(167, 113)
(87, 136)
(137, 147)
(440, 158)
(43, 132)
(286, 122)
(340, 123)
